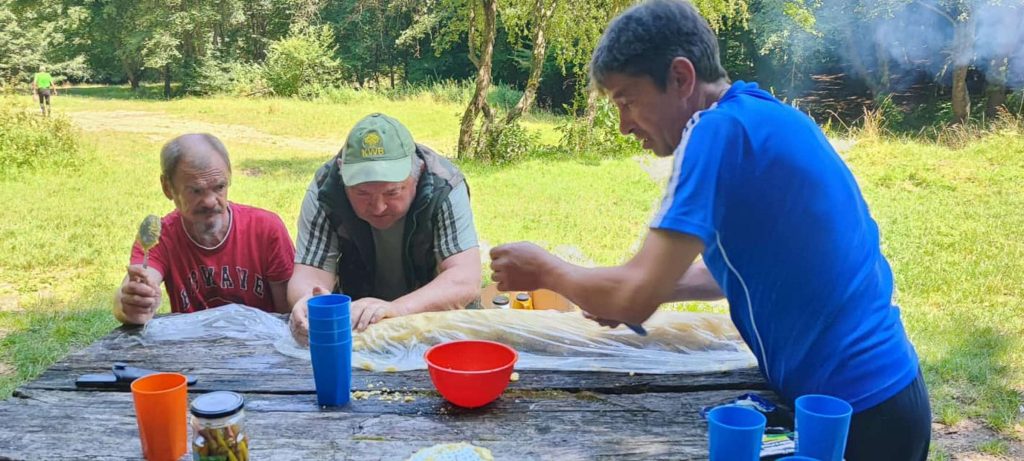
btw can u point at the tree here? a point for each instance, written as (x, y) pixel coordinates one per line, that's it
(19, 58)
(368, 35)
(481, 53)
(32, 35)
(538, 24)
(303, 61)
(905, 36)
(959, 15)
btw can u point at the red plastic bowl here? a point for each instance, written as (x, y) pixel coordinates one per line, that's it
(470, 373)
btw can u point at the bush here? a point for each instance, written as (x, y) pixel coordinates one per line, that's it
(502, 96)
(29, 141)
(1015, 103)
(504, 144)
(303, 63)
(232, 78)
(602, 139)
(452, 91)
(347, 95)
(442, 91)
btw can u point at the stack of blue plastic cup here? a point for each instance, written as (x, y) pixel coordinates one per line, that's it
(734, 433)
(330, 347)
(822, 424)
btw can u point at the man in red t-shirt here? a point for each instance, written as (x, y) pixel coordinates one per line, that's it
(211, 252)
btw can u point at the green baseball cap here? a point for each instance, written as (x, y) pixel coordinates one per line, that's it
(379, 148)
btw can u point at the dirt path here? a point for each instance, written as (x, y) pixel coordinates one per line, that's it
(159, 127)
(963, 442)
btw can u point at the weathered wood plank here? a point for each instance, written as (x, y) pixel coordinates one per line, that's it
(54, 425)
(235, 365)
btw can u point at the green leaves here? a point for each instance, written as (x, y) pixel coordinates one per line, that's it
(302, 62)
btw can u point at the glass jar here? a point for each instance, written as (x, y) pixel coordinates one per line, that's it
(218, 427)
(500, 302)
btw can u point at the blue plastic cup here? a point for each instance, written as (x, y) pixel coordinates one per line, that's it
(330, 306)
(330, 337)
(734, 433)
(822, 424)
(332, 372)
(340, 323)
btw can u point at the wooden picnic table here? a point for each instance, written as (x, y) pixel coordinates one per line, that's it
(550, 415)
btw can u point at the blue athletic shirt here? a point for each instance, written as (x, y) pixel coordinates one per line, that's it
(789, 239)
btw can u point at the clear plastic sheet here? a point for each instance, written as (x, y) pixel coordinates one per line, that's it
(551, 340)
(678, 342)
(230, 321)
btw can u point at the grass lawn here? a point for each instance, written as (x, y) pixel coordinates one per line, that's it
(950, 221)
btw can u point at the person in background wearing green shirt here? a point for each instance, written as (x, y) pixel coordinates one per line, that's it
(42, 85)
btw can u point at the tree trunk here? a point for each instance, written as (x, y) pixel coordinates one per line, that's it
(995, 92)
(962, 43)
(542, 12)
(167, 81)
(588, 118)
(961, 98)
(860, 63)
(131, 73)
(257, 21)
(884, 83)
(483, 76)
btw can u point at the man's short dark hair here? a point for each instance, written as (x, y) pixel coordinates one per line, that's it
(645, 39)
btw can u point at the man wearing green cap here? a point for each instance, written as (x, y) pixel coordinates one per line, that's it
(386, 221)
(42, 85)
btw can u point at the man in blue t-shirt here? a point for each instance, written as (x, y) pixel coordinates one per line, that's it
(784, 232)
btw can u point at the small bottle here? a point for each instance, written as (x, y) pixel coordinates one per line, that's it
(500, 302)
(523, 301)
(218, 427)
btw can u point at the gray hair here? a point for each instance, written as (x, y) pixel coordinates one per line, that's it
(172, 152)
(645, 39)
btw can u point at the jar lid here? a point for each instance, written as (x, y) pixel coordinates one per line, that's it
(522, 297)
(500, 299)
(217, 404)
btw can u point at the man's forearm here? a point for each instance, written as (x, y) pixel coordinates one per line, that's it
(697, 284)
(633, 291)
(304, 279)
(613, 293)
(299, 288)
(279, 294)
(450, 290)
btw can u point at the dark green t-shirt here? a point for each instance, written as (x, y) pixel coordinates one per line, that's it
(389, 283)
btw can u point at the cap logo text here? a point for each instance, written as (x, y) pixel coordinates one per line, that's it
(372, 146)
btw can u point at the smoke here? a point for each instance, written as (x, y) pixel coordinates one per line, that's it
(999, 41)
(904, 41)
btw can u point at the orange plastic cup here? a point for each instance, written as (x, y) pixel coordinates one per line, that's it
(161, 404)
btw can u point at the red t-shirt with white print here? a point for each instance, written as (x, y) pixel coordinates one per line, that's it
(256, 251)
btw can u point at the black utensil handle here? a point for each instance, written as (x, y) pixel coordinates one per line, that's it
(97, 381)
(124, 372)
